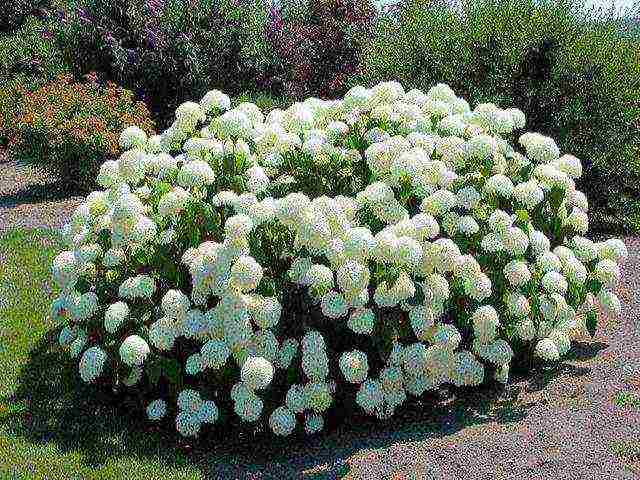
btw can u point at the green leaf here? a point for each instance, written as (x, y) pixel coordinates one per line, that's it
(154, 371)
(591, 322)
(171, 371)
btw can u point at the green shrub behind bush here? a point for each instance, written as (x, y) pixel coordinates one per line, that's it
(576, 79)
(70, 128)
(167, 51)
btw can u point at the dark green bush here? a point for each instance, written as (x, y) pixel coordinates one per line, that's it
(31, 53)
(16, 12)
(70, 129)
(167, 51)
(574, 75)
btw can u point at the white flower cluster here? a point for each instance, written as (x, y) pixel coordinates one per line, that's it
(449, 242)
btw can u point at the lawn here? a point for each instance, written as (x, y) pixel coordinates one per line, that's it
(50, 428)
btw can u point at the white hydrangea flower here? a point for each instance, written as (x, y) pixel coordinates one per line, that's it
(607, 272)
(547, 350)
(115, 315)
(92, 364)
(162, 334)
(257, 373)
(370, 395)
(189, 400)
(554, 282)
(282, 421)
(334, 305)
(313, 423)
(214, 102)
(156, 409)
(526, 330)
(188, 424)
(134, 350)
(354, 366)
(609, 302)
(517, 273)
(362, 321)
(485, 323)
(318, 396)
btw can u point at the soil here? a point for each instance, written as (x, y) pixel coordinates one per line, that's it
(569, 423)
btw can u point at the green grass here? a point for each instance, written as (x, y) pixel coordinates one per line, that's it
(50, 427)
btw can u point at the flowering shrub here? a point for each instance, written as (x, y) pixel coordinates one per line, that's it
(167, 50)
(253, 269)
(318, 51)
(69, 128)
(552, 60)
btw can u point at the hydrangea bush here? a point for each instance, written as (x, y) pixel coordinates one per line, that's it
(261, 269)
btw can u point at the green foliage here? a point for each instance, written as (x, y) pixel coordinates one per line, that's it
(70, 128)
(574, 75)
(167, 51)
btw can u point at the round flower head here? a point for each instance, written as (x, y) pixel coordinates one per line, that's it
(370, 395)
(246, 273)
(162, 334)
(354, 366)
(334, 305)
(175, 304)
(188, 424)
(134, 350)
(249, 408)
(317, 396)
(257, 373)
(609, 302)
(485, 323)
(526, 330)
(208, 412)
(554, 282)
(313, 423)
(189, 400)
(547, 350)
(156, 410)
(214, 102)
(92, 364)
(362, 321)
(295, 399)
(115, 315)
(561, 339)
(607, 272)
(282, 421)
(517, 273)
(132, 137)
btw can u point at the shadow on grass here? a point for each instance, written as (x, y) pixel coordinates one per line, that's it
(59, 408)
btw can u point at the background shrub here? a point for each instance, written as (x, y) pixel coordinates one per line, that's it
(574, 75)
(318, 45)
(70, 128)
(167, 50)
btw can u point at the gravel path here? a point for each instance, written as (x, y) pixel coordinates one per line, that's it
(29, 199)
(550, 425)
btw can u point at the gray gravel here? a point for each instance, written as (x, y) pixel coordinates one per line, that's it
(30, 199)
(561, 425)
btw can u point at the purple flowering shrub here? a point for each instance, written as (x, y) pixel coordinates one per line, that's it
(319, 49)
(168, 50)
